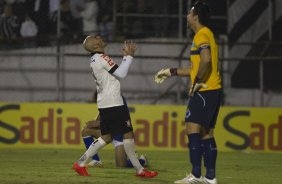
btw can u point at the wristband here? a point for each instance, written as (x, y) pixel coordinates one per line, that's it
(173, 71)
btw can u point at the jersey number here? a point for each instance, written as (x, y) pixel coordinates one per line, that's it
(108, 59)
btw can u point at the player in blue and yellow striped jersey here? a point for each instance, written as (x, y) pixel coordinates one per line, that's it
(205, 95)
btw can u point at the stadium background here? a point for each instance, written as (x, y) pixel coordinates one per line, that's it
(49, 71)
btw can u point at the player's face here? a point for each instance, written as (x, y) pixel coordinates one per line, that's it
(99, 41)
(190, 18)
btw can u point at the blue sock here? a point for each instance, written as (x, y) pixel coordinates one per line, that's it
(129, 164)
(195, 151)
(210, 154)
(88, 141)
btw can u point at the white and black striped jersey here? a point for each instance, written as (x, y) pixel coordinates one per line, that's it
(108, 85)
(9, 26)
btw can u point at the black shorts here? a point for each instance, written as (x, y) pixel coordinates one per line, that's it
(115, 120)
(203, 108)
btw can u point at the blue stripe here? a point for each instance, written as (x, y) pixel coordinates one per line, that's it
(204, 47)
(194, 52)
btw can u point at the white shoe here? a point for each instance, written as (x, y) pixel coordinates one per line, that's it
(207, 181)
(190, 179)
(95, 163)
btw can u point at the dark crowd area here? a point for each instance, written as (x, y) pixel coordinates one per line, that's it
(29, 23)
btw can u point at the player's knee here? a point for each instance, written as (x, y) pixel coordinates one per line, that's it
(85, 132)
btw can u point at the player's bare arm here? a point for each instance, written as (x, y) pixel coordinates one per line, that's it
(204, 71)
(183, 72)
(205, 65)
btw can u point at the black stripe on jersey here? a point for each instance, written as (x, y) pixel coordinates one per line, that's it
(197, 52)
(113, 69)
(204, 47)
(194, 52)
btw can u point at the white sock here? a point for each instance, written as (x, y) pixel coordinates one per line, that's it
(129, 147)
(92, 150)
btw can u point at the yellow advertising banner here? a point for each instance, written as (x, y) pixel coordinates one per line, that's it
(156, 127)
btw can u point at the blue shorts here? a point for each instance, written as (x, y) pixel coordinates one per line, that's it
(203, 108)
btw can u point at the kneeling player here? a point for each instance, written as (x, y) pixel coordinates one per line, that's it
(91, 131)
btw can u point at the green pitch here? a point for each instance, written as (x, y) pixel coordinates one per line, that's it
(53, 166)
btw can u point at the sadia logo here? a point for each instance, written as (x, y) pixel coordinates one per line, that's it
(49, 128)
(260, 137)
(13, 130)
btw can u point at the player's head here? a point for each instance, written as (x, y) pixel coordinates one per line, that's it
(94, 44)
(199, 13)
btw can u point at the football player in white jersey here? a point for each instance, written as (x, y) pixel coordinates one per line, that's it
(114, 117)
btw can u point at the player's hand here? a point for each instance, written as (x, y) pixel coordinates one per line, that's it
(196, 87)
(128, 48)
(162, 75)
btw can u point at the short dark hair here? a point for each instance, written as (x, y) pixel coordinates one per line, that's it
(202, 9)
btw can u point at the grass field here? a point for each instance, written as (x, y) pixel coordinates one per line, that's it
(53, 166)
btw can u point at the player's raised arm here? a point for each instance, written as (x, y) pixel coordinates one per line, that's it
(128, 52)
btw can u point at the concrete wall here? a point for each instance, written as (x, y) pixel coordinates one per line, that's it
(31, 78)
(30, 75)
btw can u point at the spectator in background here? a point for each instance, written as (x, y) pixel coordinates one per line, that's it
(9, 27)
(89, 14)
(105, 19)
(141, 26)
(39, 12)
(10, 2)
(28, 28)
(53, 7)
(76, 7)
(161, 24)
(28, 31)
(19, 9)
(2, 3)
(66, 23)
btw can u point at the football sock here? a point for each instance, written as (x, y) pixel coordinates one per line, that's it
(129, 164)
(195, 151)
(129, 147)
(210, 154)
(92, 150)
(88, 141)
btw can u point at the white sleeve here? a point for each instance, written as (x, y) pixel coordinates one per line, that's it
(122, 70)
